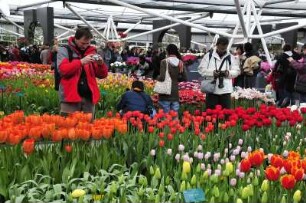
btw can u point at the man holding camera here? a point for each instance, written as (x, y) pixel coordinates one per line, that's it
(222, 67)
(78, 66)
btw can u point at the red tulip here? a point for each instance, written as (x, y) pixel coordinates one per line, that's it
(28, 146)
(161, 143)
(245, 165)
(272, 173)
(298, 173)
(68, 148)
(256, 158)
(277, 161)
(161, 135)
(170, 136)
(288, 181)
(150, 129)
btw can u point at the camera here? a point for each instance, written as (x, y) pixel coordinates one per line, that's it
(96, 57)
(220, 75)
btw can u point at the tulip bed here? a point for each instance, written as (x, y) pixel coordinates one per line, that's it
(252, 153)
(244, 155)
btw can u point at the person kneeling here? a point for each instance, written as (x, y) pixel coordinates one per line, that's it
(136, 100)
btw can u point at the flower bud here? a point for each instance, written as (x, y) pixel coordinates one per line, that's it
(265, 185)
(151, 170)
(245, 193)
(214, 178)
(193, 180)
(225, 197)
(157, 173)
(184, 176)
(255, 181)
(264, 198)
(215, 191)
(283, 200)
(239, 200)
(297, 196)
(183, 186)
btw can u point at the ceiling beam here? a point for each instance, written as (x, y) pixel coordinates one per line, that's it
(284, 11)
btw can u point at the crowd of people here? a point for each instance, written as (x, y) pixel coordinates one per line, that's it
(77, 64)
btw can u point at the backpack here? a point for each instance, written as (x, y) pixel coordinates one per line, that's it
(57, 76)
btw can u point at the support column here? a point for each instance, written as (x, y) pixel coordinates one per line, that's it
(183, 31)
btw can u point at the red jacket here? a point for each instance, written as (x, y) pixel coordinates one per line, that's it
(71, 71)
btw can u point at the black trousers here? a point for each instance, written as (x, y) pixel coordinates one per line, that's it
(214, 99)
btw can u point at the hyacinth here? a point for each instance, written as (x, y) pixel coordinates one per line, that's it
(251, 94)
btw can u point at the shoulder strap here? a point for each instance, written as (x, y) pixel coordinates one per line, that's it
(226, 58)
(70, 53)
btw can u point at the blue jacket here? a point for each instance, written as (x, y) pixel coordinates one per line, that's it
(134, 101)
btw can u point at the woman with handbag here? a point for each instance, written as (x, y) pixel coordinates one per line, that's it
(171, 66)
(218, 67)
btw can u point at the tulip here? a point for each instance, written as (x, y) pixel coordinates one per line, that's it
(245, 165)
(255, 181)
(177, 157)
(152, 152)
(193, 180)
(283, 200)
(214, 178)
(157, 173)
(186, 167)
(297, 196)
(225, 197)
(152, 170)
(265, 185)
(181, 147)
(169, 152)
(288, 181)
(215, 191)
(229, 167)
(264, 198)
(245, 193)
(233, 182)
(184, 176)
(68, 148)
(272, 173)
(239, 200)
(28, 146)
(183, 186)
(78, 193)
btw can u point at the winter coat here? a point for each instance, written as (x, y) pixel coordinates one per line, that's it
(207, 68)
(70, 73)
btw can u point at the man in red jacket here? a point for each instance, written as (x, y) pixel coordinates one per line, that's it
(78, 66)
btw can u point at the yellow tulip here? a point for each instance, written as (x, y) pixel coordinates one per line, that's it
(186, 167)
(78, 193)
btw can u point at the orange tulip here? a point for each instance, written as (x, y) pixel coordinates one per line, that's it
(56, 136)
(294, 155)
(72, 134)
(3, 136)
(28, 146)
(14, 138)
(272, 173)
(288, 181)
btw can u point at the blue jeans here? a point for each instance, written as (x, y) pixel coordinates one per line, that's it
(169, 105)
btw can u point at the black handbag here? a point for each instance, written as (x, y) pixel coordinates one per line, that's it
(300, 86)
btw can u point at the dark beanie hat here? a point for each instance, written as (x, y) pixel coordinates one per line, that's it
(138, 85)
